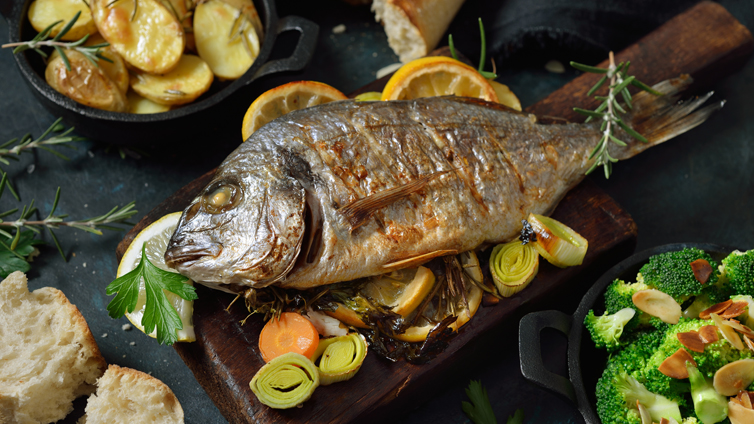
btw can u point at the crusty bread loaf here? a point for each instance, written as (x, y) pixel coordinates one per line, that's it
(128, 396)
(48, 356)
(414, 27)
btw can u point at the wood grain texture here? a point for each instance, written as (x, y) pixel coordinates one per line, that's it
(705, 42)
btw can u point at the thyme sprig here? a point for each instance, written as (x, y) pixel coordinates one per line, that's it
(95, 225)
(608, 111)
(92, 53)
(482, 55)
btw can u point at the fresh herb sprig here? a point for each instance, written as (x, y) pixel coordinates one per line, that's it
(608, 111)
(482, 55)
(480, 410)
(158, 312)
(92, 53)
(95, 225)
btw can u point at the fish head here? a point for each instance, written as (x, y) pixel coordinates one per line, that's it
(240, 230)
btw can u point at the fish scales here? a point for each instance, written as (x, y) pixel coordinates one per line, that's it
(467, 172)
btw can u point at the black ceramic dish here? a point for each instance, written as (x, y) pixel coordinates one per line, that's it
(585, 362)
(202, 118)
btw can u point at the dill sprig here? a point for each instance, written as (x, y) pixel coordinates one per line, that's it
(608, 111)
(92, 53)
(95, 225)
(482, 55)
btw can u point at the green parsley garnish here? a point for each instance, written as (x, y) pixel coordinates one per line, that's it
(158, 312)
(479, 410)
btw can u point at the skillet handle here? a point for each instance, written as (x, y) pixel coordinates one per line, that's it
(530, 351)
(303, 51)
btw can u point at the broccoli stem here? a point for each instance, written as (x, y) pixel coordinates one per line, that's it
(710, 407)
(659, 406)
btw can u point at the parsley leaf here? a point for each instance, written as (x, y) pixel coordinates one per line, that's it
(479, 410)
(158, 312)
(17, 259)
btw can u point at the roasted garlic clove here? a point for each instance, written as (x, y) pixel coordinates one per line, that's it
(734, 377)
(658, 304)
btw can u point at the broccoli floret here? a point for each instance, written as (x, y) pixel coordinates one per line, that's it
(658, 406)
(738, 269)
(710, 407)
(618, 295)
(671, 273)
(607, 329)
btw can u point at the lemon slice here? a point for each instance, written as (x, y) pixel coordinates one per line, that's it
(280, 100)
(157, 235)
(505, 96)
(437, 76)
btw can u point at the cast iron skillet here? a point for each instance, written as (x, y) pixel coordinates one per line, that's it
(200, 119)
(579, 387)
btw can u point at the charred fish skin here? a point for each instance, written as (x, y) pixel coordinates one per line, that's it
(431, 176)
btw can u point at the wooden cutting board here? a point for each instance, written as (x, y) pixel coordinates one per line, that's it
(706, 42)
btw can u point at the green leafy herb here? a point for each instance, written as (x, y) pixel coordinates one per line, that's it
(158, 312)
(17, 259)
(482, 54)
(92, 53)
(517, 417)
(479, 410)
(608, 111)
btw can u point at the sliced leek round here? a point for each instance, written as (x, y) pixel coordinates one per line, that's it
(556, 242)
(513, 266)
(340, 357)
(286, 381)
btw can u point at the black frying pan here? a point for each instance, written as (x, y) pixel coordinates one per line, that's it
(216, 110)
(585, 362)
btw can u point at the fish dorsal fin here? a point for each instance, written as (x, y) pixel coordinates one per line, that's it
(417, 260)
(359, 211)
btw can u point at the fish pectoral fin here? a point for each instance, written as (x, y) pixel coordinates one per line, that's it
(414, 261)
(359, 211)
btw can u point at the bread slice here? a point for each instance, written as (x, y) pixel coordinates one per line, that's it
(128, 396)
(415, 27)
(48, 356)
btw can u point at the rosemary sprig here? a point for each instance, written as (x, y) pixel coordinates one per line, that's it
(57, 136)
(92, 53)
(608, 111)
(95, 225)
(482, 54)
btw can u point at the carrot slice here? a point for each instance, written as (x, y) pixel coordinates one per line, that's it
(291, 333)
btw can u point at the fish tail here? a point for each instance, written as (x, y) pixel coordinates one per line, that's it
(660, 118)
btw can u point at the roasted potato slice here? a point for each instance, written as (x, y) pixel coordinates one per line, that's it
(116, 69)
(141, 105)
(189, 80)
(43, 13)
(225, 39)
(183, 10)
(85, 82)
(250, 11)
(145, 33)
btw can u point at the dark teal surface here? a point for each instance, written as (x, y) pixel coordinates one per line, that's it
(696, 188)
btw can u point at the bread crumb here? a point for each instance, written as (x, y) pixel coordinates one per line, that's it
(126, 327)
(339, 29)
(124, 356)
(555, 67)
(84, 264)
(388, 69)
(133, 343)
(104, 335)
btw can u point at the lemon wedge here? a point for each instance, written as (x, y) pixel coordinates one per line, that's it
(157, 235)
(280, 100)
(437, 76)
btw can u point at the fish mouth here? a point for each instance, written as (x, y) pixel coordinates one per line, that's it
(185, 256)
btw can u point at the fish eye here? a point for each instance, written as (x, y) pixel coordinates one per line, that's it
(221, 198)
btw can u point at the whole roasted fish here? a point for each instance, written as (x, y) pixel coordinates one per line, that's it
(352, 189)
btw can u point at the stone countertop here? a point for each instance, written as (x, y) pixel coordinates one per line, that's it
(696, 188)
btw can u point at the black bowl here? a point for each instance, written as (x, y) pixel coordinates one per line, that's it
(585, 362)
(200, 119)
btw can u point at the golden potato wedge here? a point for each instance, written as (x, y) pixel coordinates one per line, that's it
(43, 13)
(189, 80)
(141, 105)
(116, 69)
(183, 10)
(250, 11)
(143, 32)
(225, 39)
(85, 82)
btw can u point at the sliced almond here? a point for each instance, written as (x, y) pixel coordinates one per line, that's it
(692, 340)
(728, 332)
(739, 414)
(646, 418)
(734, 310)
(674, 366)
(702, 270)
(745, 399)
(708, 334)
(746, 331)
(715, 309)
(658, 304)
(749, 343)
(734, 377)
(664, 421)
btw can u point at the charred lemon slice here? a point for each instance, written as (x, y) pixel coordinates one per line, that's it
(280, 100)
(556, 242)
(157, 235)
(437, 76)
